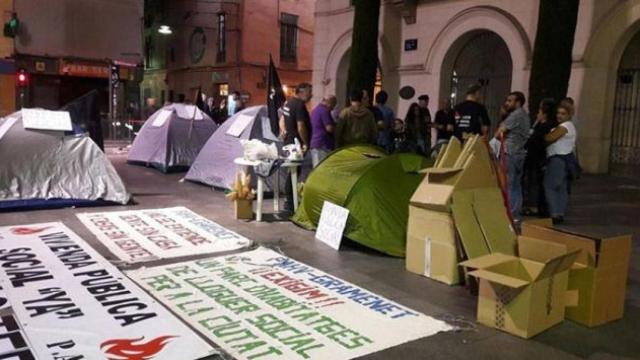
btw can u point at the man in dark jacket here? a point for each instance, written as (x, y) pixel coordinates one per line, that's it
(357, 124)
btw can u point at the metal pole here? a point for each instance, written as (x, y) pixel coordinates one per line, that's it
(110, 117)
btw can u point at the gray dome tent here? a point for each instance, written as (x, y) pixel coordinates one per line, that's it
(214, 165)
(43, 168)
(171, 138)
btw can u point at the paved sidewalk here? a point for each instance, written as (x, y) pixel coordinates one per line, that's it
(599, 205)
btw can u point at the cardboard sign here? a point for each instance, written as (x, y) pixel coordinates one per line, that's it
(239, 124)
(263, 305)
(7, 123)
(46, 120)
(188, 112)
(146, 235)
(73, 304)
(162, 118)
(333, 219)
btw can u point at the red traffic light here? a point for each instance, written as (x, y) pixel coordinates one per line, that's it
(22, 78)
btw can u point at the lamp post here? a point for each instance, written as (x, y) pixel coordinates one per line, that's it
(165, 30)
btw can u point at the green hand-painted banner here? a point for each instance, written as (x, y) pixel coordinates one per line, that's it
(263, 305)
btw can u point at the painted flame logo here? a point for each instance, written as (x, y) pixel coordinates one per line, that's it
(134, 349)
(27, 230)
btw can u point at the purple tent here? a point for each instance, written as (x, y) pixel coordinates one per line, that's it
(172, 137)
(214, 165)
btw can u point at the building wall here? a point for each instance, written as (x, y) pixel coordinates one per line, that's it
(81, 28)
(6, 44)
(7, 71)
(604, 29)
(253, 32)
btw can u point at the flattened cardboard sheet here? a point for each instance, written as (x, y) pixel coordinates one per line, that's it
(469, 230)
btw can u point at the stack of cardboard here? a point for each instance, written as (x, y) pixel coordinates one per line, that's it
(599, 273)
(555, 269)
(524, 295)
(458, 199)
(458, 212)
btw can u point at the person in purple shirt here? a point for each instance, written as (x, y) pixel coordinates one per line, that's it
(322, 127)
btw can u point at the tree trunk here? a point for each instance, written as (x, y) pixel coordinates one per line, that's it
(363, 64)
(552, 53)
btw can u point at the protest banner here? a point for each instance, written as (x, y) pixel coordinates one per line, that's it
(73, 304)
(136, 236)
(263, 305)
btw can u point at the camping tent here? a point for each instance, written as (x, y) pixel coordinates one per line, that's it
(171, 138)
(376, 189)
(214, 165)
(44, 168)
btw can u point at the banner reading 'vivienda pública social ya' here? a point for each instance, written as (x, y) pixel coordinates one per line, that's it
(73, 304)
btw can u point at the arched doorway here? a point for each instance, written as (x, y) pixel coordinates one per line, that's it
(482, 57)
(625, 134)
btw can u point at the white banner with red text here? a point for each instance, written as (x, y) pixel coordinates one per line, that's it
(136, 236)
(73, 304)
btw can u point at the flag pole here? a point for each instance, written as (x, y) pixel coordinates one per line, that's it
(195, 109)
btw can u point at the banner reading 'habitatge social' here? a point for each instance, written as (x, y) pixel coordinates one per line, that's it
(145, 235)
(263, 305)
(73, 304)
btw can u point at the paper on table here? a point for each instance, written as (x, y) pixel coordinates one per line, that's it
(162, 118)
(239, 124)
(46, 120)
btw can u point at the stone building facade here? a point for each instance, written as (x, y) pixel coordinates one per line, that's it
(224, 46)
(438, 47)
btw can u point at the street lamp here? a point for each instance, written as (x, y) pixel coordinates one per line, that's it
(165, 30)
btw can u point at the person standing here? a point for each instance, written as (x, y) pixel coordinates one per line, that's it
(385, 125)
(416, 128)
(296, 124)
(357, 124)
(471, 117)
(514, 132)
(423, 103)
(222, 111)
(444, 123)
(150, 108)
(536, 157)
(322, 129)
(238, 101)
(211, 109)
(562, 165)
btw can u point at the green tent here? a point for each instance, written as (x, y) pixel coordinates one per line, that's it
(376, 189)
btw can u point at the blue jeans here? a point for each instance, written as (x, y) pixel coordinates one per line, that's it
(515, 169)
(317, 155)
(556, 186)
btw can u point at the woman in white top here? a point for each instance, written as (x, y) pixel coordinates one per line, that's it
(560, 162)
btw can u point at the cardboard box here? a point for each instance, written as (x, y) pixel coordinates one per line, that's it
(431, 245)
(432, 231)
(524, 295)
(242, 209)
(599, 273)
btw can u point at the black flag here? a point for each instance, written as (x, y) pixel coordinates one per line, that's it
(199, 101)
(275, 96)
